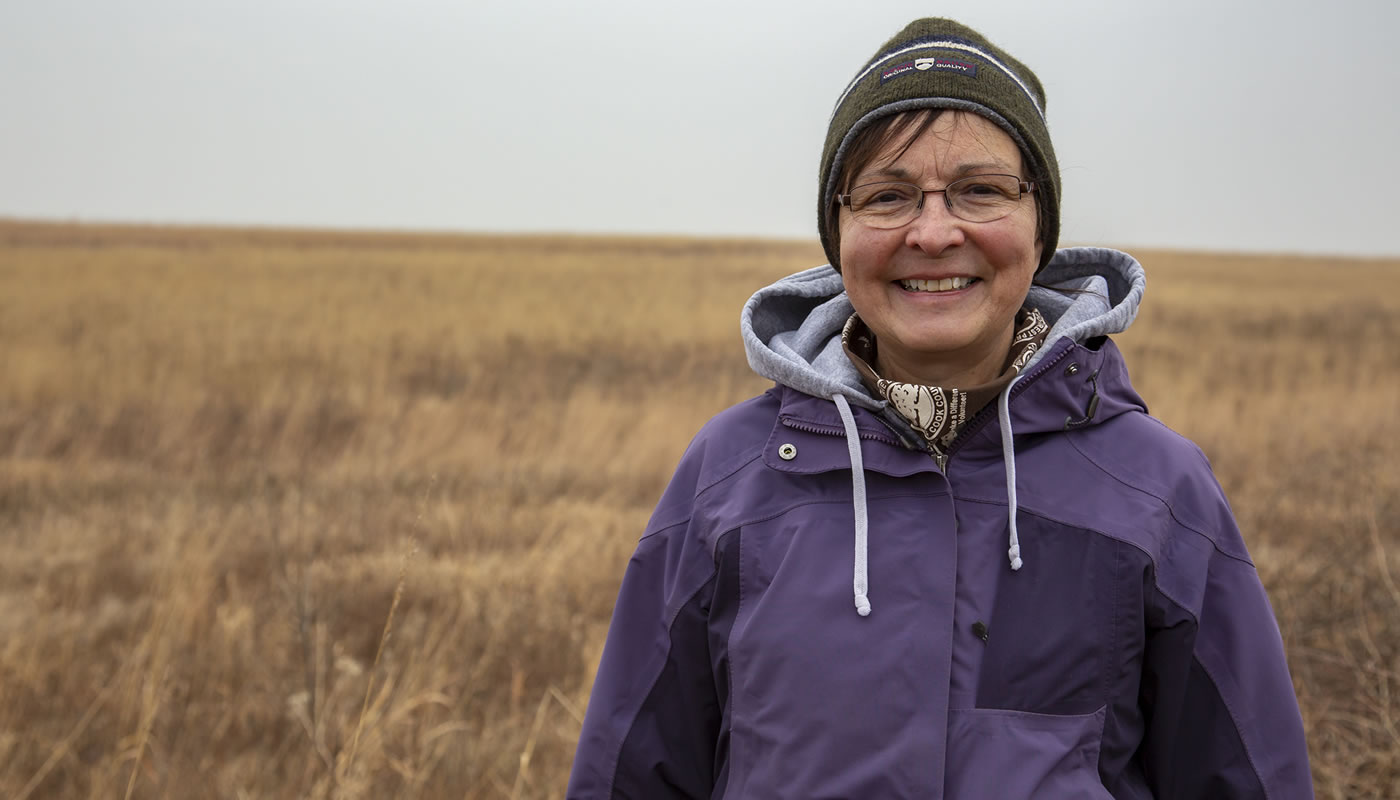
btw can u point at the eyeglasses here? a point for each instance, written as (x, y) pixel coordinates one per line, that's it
(976, 198)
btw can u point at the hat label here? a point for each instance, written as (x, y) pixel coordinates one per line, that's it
(926, 64)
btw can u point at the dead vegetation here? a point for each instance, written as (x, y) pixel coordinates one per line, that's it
(310, 514)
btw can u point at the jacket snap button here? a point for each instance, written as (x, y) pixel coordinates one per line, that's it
(787, 452)
(1072, 369)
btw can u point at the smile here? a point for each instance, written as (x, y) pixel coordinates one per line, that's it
(945, 285)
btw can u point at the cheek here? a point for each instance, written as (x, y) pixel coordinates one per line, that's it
(1016, 247)
(862, 248)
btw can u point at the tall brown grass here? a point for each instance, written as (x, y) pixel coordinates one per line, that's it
(300, 514)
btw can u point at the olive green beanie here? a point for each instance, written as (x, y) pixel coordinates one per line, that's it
(939, 63)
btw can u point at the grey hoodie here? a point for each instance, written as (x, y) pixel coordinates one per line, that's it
(792, 329)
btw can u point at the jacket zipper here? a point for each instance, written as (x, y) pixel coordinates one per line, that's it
(829, 431)
(980, 419)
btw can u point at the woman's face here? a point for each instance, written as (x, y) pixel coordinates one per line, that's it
(952, 337)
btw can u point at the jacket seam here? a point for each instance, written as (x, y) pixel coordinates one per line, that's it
(726, 476)
(735, 768)
(729, 647)
(1234, 721)
(1224, 700)
(840, 501)
(680, 523)
(1107, 535)
(695, 498)
(1171, 510)
(1108, 671)
(632, 721)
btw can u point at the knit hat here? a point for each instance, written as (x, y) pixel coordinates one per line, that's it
(939, 63)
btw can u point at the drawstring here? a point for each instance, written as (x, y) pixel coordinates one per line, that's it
(861, 578)
(1008, 457)
(861, 574)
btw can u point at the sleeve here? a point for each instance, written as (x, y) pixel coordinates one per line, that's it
(1222, 716)
(653, 726)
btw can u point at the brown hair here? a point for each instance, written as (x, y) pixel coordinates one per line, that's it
(871, 141)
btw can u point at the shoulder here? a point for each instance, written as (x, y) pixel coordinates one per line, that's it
(1167, 471)
(1145, 450)
(733, 430)
(725, 446)
(732, 438)
(1126, 473)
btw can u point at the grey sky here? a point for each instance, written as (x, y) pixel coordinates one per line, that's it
(1218, 125)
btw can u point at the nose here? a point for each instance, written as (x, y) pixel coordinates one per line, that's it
(935, 228)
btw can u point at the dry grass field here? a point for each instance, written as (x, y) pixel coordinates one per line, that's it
(298, 514)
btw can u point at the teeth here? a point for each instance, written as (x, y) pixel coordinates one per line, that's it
(945, 285)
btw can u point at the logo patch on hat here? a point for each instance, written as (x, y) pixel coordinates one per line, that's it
(926, 64)
(946, 65)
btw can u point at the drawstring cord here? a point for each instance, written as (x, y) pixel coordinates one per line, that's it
(861, 572)
(861, 577)
(1008, 457)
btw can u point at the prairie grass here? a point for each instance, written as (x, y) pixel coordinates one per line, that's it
(313, 514)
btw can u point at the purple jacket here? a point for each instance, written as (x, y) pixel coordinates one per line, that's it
(1123, 648)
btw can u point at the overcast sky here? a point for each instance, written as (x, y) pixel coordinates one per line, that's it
(1262, 126)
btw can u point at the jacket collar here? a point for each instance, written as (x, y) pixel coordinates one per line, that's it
(1072, 386)
(808, 438)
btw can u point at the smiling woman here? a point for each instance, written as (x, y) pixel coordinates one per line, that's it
(949, 554)
(939, 293)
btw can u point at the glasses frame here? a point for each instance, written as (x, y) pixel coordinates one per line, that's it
(1024, 186)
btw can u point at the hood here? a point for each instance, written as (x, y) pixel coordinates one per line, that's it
(792, 328)
(792, 335)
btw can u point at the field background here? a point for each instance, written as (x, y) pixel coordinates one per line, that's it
(305, 514)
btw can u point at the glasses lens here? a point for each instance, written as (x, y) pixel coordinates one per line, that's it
(885, 205)
(983, 198)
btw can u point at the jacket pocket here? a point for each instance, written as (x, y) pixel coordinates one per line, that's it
(1011, 755)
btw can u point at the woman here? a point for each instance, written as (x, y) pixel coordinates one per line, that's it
(949, 554)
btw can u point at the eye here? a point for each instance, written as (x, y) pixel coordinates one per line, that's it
(984, 189)
(882, 197)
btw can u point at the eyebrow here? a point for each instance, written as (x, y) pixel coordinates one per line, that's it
(963, 170)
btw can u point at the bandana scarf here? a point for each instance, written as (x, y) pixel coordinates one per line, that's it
(938, 413)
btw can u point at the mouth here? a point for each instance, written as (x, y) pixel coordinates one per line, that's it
(944, 285)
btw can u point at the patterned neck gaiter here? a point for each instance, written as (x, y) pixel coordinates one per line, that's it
(938, 413)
